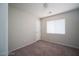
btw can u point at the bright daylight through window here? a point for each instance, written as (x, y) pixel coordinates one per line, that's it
(56, 26)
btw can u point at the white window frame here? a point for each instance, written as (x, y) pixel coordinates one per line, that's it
(62, 30)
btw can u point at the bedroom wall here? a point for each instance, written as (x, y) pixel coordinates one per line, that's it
(71, 37)
(3, 29)
(23, 28)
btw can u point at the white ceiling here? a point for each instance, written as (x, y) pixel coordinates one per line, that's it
(39, 10)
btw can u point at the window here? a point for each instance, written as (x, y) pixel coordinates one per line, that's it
(56, 26)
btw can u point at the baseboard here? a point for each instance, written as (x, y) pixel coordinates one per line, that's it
(21, 47)
(68, 45)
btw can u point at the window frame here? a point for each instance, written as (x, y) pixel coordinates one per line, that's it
(55, 28)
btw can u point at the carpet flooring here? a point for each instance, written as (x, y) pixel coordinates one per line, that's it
(44, 48)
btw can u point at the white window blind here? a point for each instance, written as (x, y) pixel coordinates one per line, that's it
(56, 26)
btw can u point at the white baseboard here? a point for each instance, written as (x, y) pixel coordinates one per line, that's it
(22, 46)
(64, 44)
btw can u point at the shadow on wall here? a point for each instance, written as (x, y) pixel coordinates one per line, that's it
(3, 29)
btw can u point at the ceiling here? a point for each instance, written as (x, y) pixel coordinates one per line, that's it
(45, 9)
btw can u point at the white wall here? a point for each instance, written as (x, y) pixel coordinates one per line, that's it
(71, 38)
(3, 29)
(23, 28)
